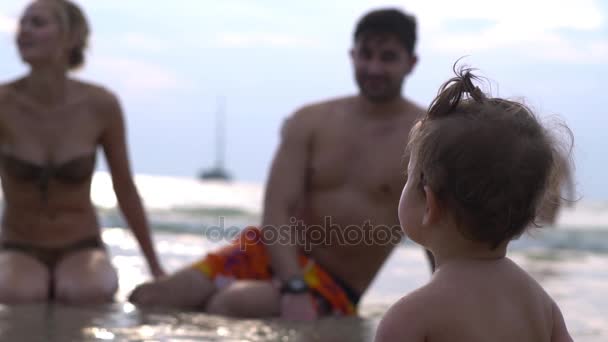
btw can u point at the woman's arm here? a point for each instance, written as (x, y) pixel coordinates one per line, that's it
(113, 141)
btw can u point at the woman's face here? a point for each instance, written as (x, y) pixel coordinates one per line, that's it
(40, 37)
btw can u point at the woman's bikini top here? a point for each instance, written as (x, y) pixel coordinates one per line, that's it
(74, 171)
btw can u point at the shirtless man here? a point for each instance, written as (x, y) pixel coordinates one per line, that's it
(340, 166)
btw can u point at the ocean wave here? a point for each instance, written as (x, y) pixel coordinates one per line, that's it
(568, 238)
(590, 239)
(188, 205)
(183, 194)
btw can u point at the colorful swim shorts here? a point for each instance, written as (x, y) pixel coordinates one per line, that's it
(246, 257)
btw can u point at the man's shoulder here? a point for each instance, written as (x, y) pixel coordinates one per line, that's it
(4, 91)
(312, 114)
(324, 107)
(5, 98)
(413, 110)
(9, 88)
(417, 109)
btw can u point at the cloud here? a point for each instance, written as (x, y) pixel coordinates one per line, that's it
(537, 15)
(135, 76)
(527, 27)
(544, 46)
(532, 28)
(570, 51)
(264, 39)
(547, 46)
(144, 42)
(8, 25)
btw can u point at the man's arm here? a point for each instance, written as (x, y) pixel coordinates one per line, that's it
(285, 189)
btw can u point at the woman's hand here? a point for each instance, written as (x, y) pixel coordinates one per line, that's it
(157, 272)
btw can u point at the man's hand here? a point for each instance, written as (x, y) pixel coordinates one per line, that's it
(298, 307)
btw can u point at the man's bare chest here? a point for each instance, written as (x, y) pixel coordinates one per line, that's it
(370, 160)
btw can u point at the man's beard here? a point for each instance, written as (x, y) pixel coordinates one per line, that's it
(389, 90)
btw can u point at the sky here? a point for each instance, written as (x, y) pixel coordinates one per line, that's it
(170, 61)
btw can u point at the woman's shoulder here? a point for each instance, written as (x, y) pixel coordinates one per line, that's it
(97, 95)
(94, 91)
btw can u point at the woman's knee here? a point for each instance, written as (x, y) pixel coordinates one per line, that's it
(92, 289)
(86, 278)
(23, 279)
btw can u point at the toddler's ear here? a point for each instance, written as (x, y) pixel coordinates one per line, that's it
(432, 213)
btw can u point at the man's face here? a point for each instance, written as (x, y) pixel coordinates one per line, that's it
(381, 63)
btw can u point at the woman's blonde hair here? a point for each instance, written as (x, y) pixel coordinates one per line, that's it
(76, 26)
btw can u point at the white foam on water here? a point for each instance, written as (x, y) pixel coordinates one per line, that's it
(164, 193)
(167, 193)
(585, 214)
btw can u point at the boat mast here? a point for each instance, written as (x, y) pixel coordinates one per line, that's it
(220, 148)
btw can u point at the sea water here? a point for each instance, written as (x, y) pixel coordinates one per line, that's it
(570, 261)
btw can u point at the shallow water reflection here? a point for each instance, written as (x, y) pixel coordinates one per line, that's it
(114, 323)
(577, 280)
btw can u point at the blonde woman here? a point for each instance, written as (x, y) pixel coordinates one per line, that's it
(51, 126)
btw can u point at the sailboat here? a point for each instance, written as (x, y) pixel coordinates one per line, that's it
(218, 172)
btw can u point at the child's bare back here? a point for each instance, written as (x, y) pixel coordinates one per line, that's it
(476, 301)
(478, 169)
